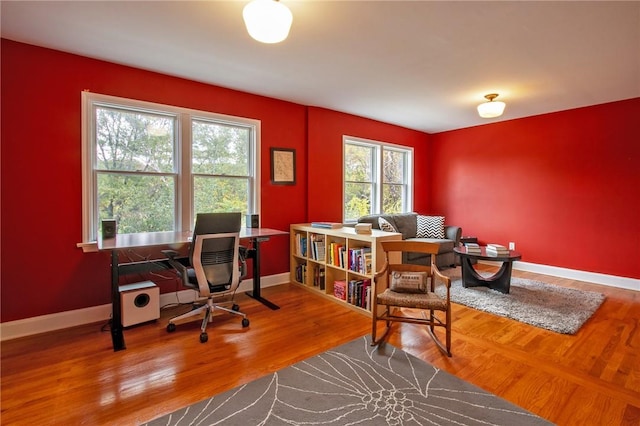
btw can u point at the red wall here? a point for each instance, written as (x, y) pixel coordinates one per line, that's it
(326, 129)
(41, 170)
(42, 270)
(564, 186)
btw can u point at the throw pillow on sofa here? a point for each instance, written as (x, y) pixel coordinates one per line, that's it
(385, 225)
(430, 227)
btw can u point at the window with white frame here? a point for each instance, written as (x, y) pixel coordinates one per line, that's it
(378, 178)
(152, 167)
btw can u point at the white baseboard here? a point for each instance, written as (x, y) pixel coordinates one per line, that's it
(46, 323)
(574, 274)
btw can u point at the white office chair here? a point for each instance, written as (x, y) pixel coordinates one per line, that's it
(214, 268)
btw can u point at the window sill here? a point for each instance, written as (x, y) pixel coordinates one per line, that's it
(88, 247)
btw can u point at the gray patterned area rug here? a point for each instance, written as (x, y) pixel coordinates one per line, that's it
(355, 384)
(560, 309)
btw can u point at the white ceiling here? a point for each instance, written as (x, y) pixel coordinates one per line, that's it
(424, 65)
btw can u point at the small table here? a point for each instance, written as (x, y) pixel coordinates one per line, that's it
(500, 281)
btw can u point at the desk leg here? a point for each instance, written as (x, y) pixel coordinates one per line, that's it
(117, 334)
(256, 275)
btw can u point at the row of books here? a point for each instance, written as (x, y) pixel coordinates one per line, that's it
(336, 254)
(301, 245)
(356, 259)
(360, 260)
(318, 277)
(354, 292)
(317, 247)
(301, 273)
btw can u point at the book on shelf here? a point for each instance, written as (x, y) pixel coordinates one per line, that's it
(352, 291)
(368, 268)
(365, 294)
(318, 277)
(320, 253)
(326, 225)
(339, 290)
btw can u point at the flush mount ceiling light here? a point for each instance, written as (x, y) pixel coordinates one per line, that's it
(492, 108)
(267, 21)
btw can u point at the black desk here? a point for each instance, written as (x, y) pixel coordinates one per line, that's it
(159, 239)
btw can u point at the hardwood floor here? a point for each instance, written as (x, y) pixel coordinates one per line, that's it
(73, 377)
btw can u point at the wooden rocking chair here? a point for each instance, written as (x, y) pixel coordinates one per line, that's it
(412, 286)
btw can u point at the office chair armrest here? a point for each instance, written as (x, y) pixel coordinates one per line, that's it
(170, 254)
(177, 263)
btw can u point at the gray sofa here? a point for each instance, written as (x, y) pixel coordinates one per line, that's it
(407, 225)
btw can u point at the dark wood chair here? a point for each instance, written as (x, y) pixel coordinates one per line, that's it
(412, 286)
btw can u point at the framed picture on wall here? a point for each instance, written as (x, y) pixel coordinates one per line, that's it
(283, 166)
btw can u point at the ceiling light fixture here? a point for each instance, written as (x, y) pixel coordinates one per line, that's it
(267, 21)
(492, 108)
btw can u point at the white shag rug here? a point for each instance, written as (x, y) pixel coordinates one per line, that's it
(560, 309)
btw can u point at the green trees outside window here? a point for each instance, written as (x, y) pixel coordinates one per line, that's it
(377, 178)
(221, 167)
(154, 167)
(135, 168)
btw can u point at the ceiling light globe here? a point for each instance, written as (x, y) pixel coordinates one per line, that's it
(267, 21)
(491, 109)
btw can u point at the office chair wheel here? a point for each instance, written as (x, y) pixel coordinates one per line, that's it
(235, 307)
(245, 322)
(171, 327)
(204, 337)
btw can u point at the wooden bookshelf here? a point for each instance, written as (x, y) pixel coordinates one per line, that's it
(322, 258)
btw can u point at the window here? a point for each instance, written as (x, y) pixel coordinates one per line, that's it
(152, 167)
(378, 178)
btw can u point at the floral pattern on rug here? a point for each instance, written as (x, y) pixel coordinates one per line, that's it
(355, 384)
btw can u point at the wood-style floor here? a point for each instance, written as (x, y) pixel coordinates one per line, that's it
(73, 377)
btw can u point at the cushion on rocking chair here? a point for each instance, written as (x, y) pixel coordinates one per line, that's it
(425, 300)
(408, 282)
